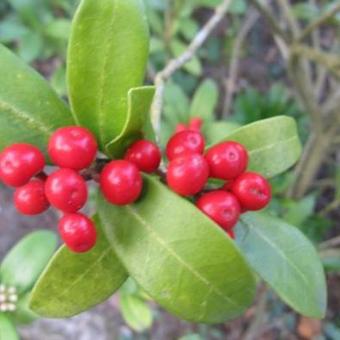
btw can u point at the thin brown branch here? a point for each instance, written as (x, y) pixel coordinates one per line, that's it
(235, 60)
(177, 63)
(319, 21)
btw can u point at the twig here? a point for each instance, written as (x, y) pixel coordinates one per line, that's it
(292, 22)
(177, 63)
(331, 243)
(272, 21)
(235, 59)
(319, 21)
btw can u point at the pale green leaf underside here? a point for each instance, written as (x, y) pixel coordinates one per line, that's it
(29, 109)
(286, 260)
(73, 283)
(139, 102)
(7, 329)
(273, 144)
(25, 262)
(107, 56)
(179, 256)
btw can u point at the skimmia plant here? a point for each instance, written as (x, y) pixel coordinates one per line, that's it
(170, 247)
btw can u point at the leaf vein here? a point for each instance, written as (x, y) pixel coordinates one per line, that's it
(25, 117)
(171, 252)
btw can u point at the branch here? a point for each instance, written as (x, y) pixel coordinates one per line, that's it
(177, 63)
(271, 19)
(319, 21)
(234, 62)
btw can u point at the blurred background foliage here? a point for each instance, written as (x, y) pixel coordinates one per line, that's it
(226, 89)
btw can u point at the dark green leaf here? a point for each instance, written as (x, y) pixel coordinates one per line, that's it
(29, 109)
(108, 52)
(179, 256)
(25, 262)
(73, 283)
(7, 329)
(136, 312)
(139, 102)
(286, 260)
(273, 144)
(205, 100)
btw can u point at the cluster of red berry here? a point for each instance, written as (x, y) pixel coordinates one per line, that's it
(73, 149)
(189, 170)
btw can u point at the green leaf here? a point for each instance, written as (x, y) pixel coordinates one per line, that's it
(25, 262)
(179, 256)
(205, 100)
(73, 283)
(7, 329)
(136, 312)
(58, 29)
(29, 109)
(217, 130)
(107, 57)
(139, 102)
(273, 144)
(286, 260)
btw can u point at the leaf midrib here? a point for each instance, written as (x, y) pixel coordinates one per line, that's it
(81, 277)
(25, 117)
(279, 251)
(104, 76)
(194, 272)
(269, 146)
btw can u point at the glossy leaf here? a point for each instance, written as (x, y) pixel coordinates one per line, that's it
(73, 283)
(7, 329)
(179, 256)
(273, 144)
(205, 100)
(24, 263)
(107, 57)
(139, 102)
(286, 260)
(29, 109)
(136, 312)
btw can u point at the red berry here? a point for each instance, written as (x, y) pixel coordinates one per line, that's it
(221, 206)
(184, 143)
(227, 185)
(30, 199)
(188, 174)
(180, 127)
(252, 190)
(227, 160)
(121, 182)
(145, 155)
(78, 232)
(66, 190)
(19, 163)
(195, 124)
(72, 147)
